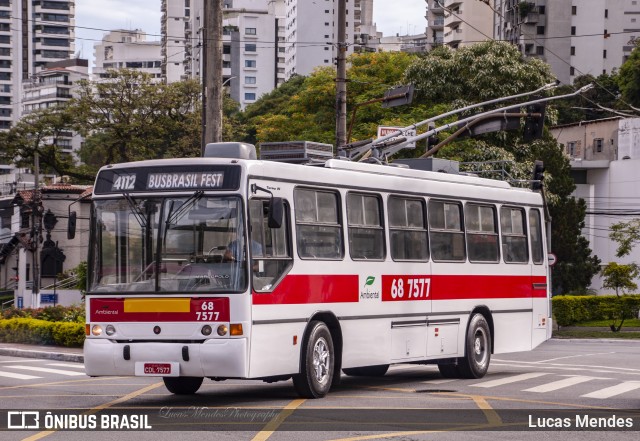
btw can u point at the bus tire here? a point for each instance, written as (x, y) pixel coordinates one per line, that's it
(367, 371)
(317, 362)
(182, 385)
(475, 363)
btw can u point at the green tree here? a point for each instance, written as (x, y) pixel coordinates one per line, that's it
(629, 78)
(583, 107)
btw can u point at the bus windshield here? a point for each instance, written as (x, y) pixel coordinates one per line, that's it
(173, 244)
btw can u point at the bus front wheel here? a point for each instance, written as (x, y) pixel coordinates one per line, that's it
(475, 363)
(317, 362)
(182, 385)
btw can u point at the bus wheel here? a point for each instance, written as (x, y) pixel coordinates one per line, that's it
(475, 363)
(316, 367)
(182, 385)
(367, 371)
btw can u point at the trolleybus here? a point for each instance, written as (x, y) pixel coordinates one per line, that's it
(228, 266)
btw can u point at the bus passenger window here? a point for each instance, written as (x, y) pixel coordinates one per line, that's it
(446, 235)
(318, 227)
(536, 236)
(514, 235)
(271, 256)
(366, 231)
(407, 229)
(482, 233)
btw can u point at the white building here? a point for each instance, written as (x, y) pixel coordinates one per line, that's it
(576, 37)
(458, 23)
(127, 49)
(605, 158)
(32, 34)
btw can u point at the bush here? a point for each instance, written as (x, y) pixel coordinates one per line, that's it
(75, 314)
(569, 310)
(29, 330)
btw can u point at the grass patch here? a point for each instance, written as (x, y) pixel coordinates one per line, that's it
(631, 323)
(596, 334)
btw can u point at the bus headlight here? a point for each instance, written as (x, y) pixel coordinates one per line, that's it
(222, 330)
(96, 330)
(110, 330)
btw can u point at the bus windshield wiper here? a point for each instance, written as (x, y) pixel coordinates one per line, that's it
(137, 213)
(174, 216)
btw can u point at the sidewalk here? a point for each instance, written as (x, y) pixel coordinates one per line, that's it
(59, 353)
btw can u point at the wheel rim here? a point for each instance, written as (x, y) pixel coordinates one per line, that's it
(480, 346)
(321, 360)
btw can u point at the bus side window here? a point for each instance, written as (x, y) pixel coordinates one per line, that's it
(482, 233)
(318, 226)
(366, 230)
(446, 234)
(407, 229)
(536, 236)
(272, 258)
(514, 235)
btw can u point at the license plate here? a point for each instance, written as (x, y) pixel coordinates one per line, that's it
(157, 369)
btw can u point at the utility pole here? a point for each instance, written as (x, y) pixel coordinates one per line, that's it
(213, 71)
(341, 76)
(35, 228)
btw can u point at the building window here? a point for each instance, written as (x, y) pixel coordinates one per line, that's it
(606, 13)
(574, 10)
(249, 80)
(250, 31)
(597, 145)
(250, 96)
(604, 53)
(573, 30)
(250, 47)
(571, 148)
(226, 49)
(573, 50)
(366, 231)
(572, 70)
(541, 9)
(540, 50)
(249, 63)
(540, 30)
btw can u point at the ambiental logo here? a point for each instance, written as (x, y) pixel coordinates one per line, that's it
(369, 291)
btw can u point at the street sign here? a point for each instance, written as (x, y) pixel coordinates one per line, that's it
(408, 133)
(552, 259)
(48, 298)
(398, 96)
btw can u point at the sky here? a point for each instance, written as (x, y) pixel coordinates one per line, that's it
(96, 17)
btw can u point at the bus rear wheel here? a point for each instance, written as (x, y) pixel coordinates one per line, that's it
(367, 371)
(475, 363)
(182, 385)
(317, 362)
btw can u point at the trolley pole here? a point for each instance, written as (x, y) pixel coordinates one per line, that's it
(341, 77)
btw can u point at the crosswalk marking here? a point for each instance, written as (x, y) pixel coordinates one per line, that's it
(560, 384)
(507, 380)
(68, 365)
(18, 376)
(437, 381)
(618, 389)
(51, 371)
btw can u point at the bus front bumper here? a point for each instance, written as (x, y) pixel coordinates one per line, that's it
(225, 358)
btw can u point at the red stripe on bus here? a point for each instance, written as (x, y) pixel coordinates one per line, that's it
(485, 287)
(215, 309)
(299, 289)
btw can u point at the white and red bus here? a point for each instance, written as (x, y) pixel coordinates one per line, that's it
(228, 266)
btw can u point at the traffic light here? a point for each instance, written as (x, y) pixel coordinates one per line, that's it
(538, 176)
(533, 125)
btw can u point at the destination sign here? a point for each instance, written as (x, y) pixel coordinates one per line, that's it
(166, 181)
(168, 178)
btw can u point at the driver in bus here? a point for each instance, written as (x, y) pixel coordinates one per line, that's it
(235, 251)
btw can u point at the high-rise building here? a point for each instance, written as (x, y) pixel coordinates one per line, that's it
(32, 34)
(127, 49)
(576, 37)
(458, 23)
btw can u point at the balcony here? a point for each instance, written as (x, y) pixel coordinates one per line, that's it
(531, 18)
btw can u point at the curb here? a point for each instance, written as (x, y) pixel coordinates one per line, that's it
(26, 353)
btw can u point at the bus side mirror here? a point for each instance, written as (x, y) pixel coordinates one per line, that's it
(71, 225)
(276, 212)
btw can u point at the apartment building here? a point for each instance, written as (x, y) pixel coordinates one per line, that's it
(576, 37)
(129, 49)
(32, 34)
(605, 157)
(458, 23)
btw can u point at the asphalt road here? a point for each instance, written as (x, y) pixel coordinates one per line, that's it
(563, 382)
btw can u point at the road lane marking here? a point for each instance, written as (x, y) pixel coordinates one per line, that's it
(531, 364)
(48, 370)
(571, 356)
(437, 381)
(17, 376)
(276, 421)
(508, 380)
(612, 391)
(69, 365)
(492, 416)
(560, 384)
